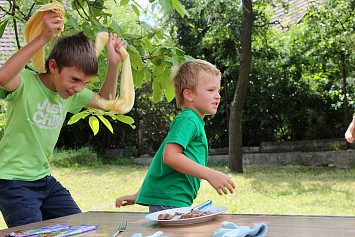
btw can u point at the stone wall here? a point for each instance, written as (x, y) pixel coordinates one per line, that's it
(330, 153)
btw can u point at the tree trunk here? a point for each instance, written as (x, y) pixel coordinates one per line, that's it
(236, 109)
(344, 92)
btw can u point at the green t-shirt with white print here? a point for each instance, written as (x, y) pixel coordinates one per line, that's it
(35, 115)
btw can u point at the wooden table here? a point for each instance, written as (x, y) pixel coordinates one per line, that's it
(278, 225)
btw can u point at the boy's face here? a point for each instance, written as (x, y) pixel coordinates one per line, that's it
(206, 97)
(69, 81)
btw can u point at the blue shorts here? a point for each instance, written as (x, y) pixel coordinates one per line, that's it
(24, 202)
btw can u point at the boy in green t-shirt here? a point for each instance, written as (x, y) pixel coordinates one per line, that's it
(175, 174)
(37, 105)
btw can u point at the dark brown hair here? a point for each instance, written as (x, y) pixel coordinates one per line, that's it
(75, 51)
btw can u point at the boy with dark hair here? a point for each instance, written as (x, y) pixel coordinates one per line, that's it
(36, 108)
(174, 177)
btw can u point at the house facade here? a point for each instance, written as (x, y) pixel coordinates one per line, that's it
(7, 41)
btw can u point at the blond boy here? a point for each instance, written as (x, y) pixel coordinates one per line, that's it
(174, 177)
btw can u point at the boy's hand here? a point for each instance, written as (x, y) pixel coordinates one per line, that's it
(51, 22)
(221, 182)
(126, 200)
(349, 137)
(114, 44)
(350, 133)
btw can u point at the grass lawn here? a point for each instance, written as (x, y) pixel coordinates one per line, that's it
(286, 190)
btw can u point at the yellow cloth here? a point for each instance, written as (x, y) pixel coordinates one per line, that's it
(124, 103)
(34, 26)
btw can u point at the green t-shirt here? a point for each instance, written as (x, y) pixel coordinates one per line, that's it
(166, 186)
(35, 116)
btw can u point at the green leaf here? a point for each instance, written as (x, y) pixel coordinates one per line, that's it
(94, 124)
(73, 23)
(151, 34)
(159, 69)
(169, 92)
(76, 117)
(175, 60)
(138, 77)
(2, 27)
(116, 27)
(106, 122)
(180, 8)
(135, 58)
(125, 119)
(164, 78)
(146, 26)
(135, 9)
(167, 5)
(79, 3)
(147, 45)
(159, 34)
(124, 2)
(157, 91)
(147, 74)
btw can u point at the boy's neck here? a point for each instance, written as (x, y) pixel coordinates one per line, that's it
(190, 106)
(47, 81)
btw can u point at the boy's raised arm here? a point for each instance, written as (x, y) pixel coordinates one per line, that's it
(109, 87)
(114, 58)
(174, 158)
(9, 79)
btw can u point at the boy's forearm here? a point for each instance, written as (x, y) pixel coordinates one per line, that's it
(110, 84)
(185, 165)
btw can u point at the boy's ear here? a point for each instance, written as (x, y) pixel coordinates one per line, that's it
(187, 95)
(52, 65)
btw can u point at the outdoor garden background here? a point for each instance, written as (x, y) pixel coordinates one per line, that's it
(300, 87)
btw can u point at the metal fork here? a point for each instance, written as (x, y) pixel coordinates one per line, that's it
(121, 228)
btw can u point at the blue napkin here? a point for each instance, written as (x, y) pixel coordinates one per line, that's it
(156, 234)
(229, 229)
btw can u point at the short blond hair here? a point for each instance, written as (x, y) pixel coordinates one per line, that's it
(187, 76)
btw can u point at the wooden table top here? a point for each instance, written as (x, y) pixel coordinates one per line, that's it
(278, 225)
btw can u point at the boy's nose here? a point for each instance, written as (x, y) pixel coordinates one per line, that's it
(79, 88)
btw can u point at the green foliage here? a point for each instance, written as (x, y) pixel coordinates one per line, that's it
(295, 90)
(3, 25)
(151, 50)
(74, 158)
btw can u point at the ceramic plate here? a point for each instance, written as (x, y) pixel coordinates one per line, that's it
(214, 209)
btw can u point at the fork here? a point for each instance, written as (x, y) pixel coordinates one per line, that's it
(121, 228)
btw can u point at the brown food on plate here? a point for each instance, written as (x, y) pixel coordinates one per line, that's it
(195, 214)
(167, 216)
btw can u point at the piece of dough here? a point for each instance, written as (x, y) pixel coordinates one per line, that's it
(124, 102)
(34, 26)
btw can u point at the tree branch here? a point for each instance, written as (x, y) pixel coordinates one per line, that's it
(145, 58)
(273, 23)
(78, 10)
